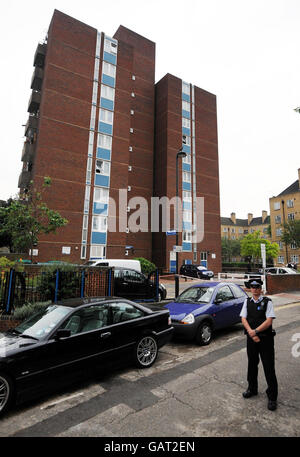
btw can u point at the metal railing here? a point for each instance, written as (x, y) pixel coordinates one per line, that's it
(36, 285)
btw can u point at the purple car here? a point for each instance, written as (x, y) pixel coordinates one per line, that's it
(206, 307)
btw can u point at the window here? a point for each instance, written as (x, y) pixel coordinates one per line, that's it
(187, 159)
(280, 259)
(97, 251)
(187, 237)
(84, 228)
(187, 196)
(91, 143)
(186, 123)
(186, 177)
(93, 117)
(124, 311)
(101, 195)
(104, 141)
(95, 92)
(278, 232)
(187, 216)
(186, 140)
(291, 216)
(109, 69)
(293, 246)
(280, 244)
(185, 88)
(87, 319)
(276, 205)
(107, 92)
(185, 106)
(224, 294)
(110, 46)
(277, 219)
(290, 203)
(295, 258)
(99, 224)
(102, 167)
(238, 292)
(106, 116)
(87, 198)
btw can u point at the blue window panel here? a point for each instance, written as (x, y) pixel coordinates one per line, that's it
(185, 97)
(173, 266)
(101, 180)
(186, 225)
(186, 148)
(109, 58)
(186, 114)
(186, 167)
(103, 153)
(105, 128)
(108, 80)
(203, 263)
(107, 104)
(100, 208)
(186, 131)
(188, 262)
(186, 205)
(186, 186)
(98, 238)
(186, 246)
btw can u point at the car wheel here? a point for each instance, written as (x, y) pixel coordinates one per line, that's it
(146, 351)
(6, 392)
(204, 334)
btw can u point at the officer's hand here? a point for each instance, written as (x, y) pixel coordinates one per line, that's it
(251, 333)
(256, 339)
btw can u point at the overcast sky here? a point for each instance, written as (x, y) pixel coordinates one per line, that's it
(244, 51)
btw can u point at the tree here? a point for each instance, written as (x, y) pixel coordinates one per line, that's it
(230, 248)
(250, 246)
(5, 237)
(25, 220)
(291, 233)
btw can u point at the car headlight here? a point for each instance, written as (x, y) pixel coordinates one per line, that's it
(189, 319)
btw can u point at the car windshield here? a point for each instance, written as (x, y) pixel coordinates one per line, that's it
(42, 322)
(196, 294)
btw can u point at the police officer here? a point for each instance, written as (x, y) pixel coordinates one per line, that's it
(257, 315)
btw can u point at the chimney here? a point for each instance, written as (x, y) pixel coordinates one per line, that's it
(264, 216)
(250, 217)
(233, 218)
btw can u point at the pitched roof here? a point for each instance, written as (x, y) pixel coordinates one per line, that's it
(244, 222)
(291, 189)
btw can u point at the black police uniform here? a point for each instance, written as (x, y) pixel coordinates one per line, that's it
(256, 315)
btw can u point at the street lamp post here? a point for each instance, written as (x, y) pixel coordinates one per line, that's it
(180, 154)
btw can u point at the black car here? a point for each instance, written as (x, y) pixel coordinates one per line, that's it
(132, 284)
(196, 271)
(76, 335)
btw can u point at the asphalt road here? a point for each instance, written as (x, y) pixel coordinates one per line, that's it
(190, 392)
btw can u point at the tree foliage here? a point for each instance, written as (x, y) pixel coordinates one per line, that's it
(291, 233)
(24, 220)
(230, 248)
(250, 246)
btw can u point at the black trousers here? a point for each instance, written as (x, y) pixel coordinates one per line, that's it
(265, 350)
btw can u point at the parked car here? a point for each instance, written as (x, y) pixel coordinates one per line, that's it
(196, 271)
(206, 307)
(281, 271)
(66, 339)
(129, 263)
(134, 285)
(271, 271)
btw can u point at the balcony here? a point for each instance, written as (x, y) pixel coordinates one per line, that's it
(34, 102)
(31, 126)
(39, 56)
(24, 179)
(28, 152)
(37, 78)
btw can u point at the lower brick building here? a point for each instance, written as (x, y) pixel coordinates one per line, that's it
(108, 137)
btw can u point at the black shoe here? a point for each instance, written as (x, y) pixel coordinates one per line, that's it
(249, 393)
(272, 405)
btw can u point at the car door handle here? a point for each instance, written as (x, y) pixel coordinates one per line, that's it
(105, 335)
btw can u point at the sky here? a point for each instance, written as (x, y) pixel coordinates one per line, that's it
(246, 52)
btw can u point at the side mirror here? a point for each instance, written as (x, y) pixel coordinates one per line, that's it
(218, 301)
(62, 333)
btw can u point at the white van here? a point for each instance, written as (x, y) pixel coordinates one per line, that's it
(134, 264)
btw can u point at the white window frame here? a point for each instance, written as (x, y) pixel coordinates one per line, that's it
(99, 224)
(101, 195)
(186, 176)
(109, 69)
(187, 195)
(106, 116)
(186, 123)
(291, 216)
(186, 88)
(290, 203)
(102, 167)
(97, 251)
(107, 92)
(186, 106)
(276, 205)
(187, 159)
(104, 141)
(110, 46)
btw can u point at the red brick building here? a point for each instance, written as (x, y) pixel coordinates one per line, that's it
(94, 130)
